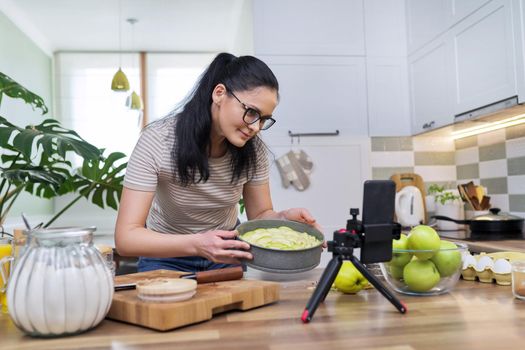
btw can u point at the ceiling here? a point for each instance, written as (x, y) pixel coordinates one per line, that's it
(163, 25)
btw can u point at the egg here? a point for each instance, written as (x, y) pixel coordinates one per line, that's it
(502, 266)
(484, 262)
(468, 261)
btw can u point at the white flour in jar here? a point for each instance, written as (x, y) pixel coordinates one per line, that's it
(52, 300)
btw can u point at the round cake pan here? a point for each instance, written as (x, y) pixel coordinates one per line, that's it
(282, 261)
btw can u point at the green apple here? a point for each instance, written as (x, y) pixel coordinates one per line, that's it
(423, 237)
(349, 279)
(421, 275)
(396, 272)
(447, 261)
(400, 259)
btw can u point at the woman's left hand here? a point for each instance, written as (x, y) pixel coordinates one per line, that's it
(302, 215)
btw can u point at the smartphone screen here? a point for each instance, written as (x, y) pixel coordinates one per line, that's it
(377, 219)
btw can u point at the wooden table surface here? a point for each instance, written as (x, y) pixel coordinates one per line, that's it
(473, 316)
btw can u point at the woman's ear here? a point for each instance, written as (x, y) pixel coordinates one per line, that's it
(219, 93)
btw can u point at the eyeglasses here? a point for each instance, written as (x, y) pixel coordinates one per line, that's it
(252, 116)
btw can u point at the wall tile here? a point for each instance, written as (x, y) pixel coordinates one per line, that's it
(434, 158)
(392, 159)
(466, 142)
(516, 166)
(496, 151)
(433, 144)
(493, 168)
(382, 144)
(385, 172)
(500, 201)
(516, 148)
(516, 184)
(496, 185)
(467, 171)
(434, 173)
(492, 137)
(517, 202)
(467, 156)
(515, 132)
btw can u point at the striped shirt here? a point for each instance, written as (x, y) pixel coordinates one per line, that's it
(210, 205)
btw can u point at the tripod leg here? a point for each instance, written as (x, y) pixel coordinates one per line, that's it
(322, 289)
(378, 285)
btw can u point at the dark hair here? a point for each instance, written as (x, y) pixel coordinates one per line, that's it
(193, 125)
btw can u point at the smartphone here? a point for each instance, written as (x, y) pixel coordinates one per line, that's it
(378, 220)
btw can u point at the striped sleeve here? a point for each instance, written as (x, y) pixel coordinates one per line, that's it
(262, 173)
(143, 168)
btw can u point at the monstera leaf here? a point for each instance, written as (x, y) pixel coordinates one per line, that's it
(102, 179)
(50, 137)
(48, 182)
(12, 89)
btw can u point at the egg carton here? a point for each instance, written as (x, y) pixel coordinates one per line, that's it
(488, 267)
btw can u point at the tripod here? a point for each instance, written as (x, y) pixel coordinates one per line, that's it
(375, 243)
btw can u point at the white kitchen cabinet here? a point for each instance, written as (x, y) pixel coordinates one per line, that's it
(386, 68)
(388, 97)
(518, 15)
(308, 27)
(320, 94)
(484, 56)
(429, 73)
(457, 10)
(426, 20)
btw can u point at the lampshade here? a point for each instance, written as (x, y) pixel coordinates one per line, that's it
(120, 81)
(134, 101)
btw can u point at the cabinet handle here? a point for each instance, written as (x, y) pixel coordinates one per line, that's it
(428, 125)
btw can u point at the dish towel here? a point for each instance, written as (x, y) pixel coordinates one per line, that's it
(295, 168)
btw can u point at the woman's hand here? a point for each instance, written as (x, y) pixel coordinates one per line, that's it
(301, 215)
(222, 247)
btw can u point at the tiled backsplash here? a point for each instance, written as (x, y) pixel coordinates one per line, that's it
(495, 160)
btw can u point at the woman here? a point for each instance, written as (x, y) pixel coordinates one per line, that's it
(186, 175)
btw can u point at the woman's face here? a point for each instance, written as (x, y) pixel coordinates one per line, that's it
(228, 112)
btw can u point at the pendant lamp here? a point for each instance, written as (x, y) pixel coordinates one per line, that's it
(120, 80)
(134, 101)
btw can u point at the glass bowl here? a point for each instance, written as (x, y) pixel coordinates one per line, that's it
(407, 274)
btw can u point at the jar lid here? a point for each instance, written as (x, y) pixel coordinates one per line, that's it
(166, 286)
(70, 231)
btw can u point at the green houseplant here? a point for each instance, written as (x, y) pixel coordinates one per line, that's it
(449, 204)
(36, 159)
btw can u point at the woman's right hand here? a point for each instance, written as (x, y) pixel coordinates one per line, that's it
(222, 247)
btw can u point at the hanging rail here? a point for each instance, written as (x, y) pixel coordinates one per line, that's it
(299, 134)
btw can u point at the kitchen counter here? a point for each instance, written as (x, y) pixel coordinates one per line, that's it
(473, 316)
(515, 245)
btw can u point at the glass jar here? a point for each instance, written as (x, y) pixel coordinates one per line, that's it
(60, 285)
(518, 279)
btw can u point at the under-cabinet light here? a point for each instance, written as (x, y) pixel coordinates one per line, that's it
(480, 129)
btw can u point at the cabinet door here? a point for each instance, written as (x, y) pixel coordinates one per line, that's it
(430, 86)
(308, 27)
(320, 94)
(518, 14)
(457, 10)
(426, 20)
(484, 53)
(388, 107)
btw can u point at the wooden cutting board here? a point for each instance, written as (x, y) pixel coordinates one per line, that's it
(210, 299)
